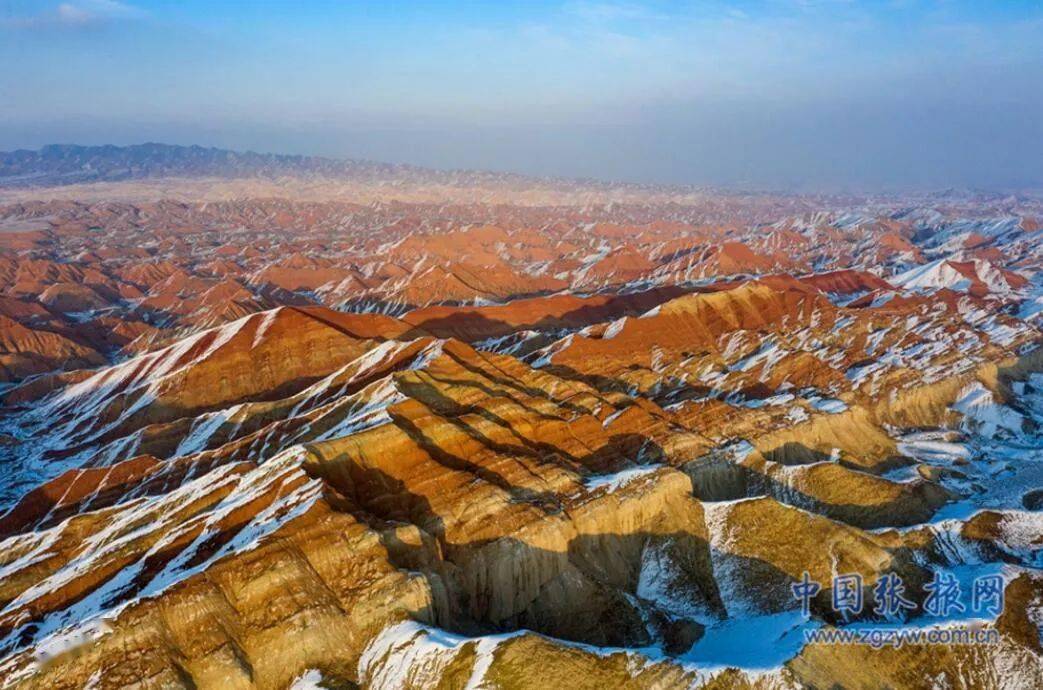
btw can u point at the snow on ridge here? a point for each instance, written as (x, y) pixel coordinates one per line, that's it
(617, 480)
(309, 680)
(662, 581)
(146, 371)
(943, 273)
(323, 390)
(156, 515)
(768, 354)
(932, 276)
(614, 328)
(829, 405)
(546, 354)
(954, 233)
(366, 411)
(981, 411)
(203, 427)
(410, 654)
(266, 323)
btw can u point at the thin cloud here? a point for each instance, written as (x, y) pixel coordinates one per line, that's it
(71, 15)
(68, 13)
(608, 11)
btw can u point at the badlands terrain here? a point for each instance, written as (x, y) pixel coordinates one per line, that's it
(273, 422)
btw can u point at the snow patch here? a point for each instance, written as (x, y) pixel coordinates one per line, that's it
(982, 413)
(618, 480)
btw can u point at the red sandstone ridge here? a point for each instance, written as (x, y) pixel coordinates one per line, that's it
(736, 257)
(68, 297)
(846, 282)
(539, 313)
(268, 353)
(685, 324)
(893, 243)
(24, 351)
(298, 272)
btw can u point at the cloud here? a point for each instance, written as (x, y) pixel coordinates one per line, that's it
(78, 14)
(603, 12)
(68, 13)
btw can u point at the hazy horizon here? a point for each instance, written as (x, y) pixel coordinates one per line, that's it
(800, 95)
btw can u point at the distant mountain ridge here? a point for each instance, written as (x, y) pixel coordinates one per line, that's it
(62, 164)
(56, 165)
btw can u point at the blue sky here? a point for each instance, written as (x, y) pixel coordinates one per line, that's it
(771, 94)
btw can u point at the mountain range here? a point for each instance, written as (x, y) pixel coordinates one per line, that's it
(285, 422)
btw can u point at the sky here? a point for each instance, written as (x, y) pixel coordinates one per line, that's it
(802, 95)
